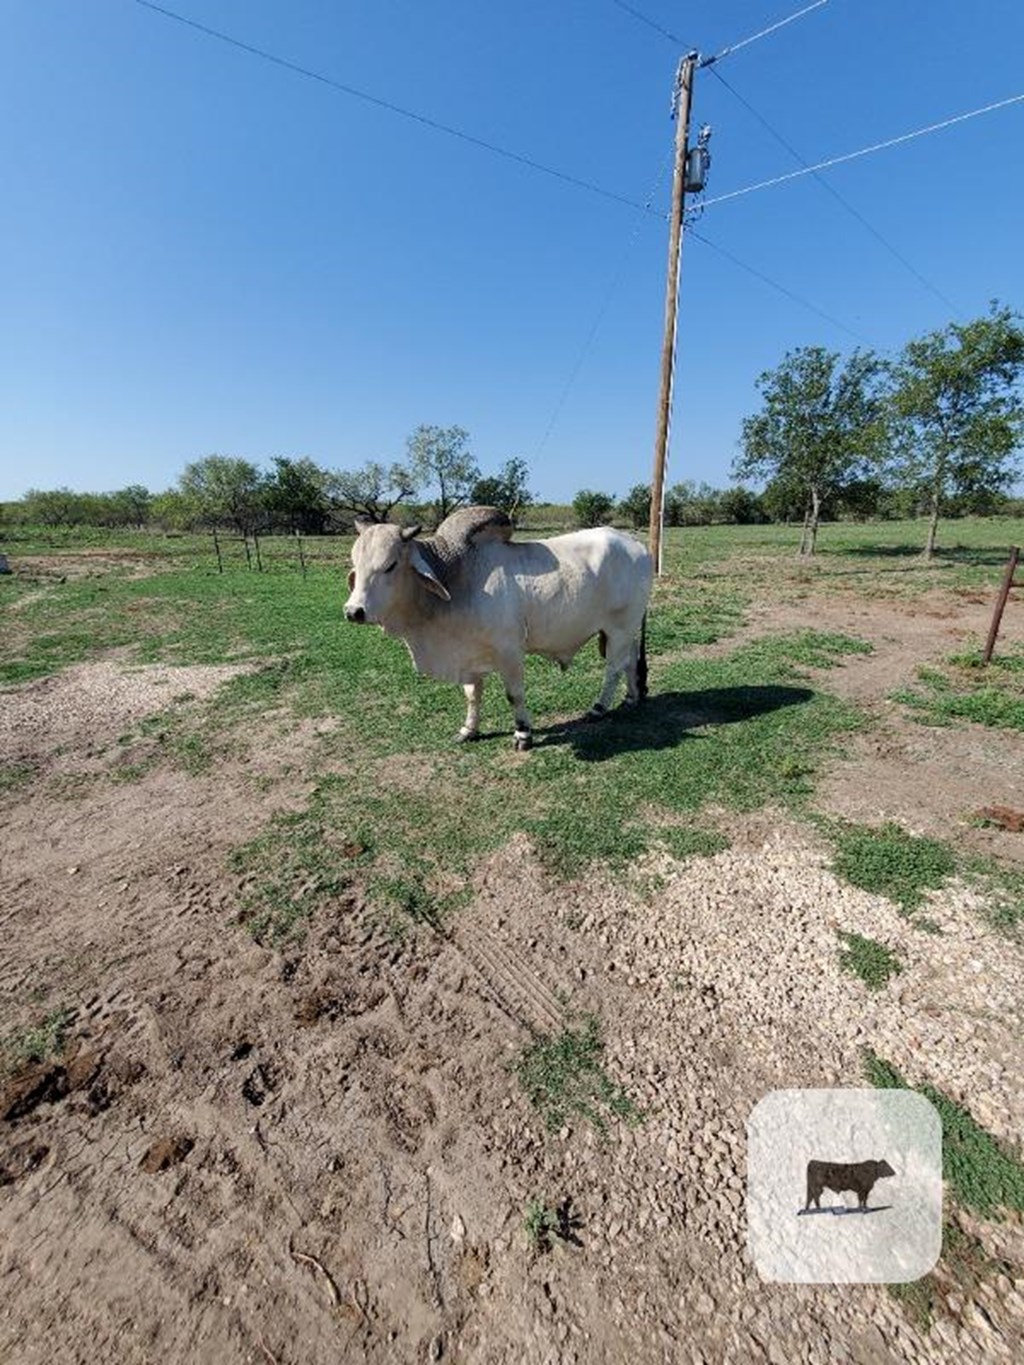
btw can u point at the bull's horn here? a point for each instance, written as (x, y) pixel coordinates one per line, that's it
(409, 531)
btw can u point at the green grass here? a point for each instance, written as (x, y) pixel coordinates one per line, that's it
(904, 867)
(964, 689)
(691, 842)
(871, 961)
(721, 730)
(564, 1080)
(892, 863)
(37, 1043)
(699, 614)
(540, 1225)
(984, 1177)
(300, 863)
(14, 776)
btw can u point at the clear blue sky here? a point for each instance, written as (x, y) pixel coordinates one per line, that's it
(202, 252)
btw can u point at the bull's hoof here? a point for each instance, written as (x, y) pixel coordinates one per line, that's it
(523, 740)
(466, 736)
(596, 713)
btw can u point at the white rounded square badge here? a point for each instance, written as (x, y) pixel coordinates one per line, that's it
(844, 1186)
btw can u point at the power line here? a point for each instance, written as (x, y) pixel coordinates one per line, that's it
(864, 151)
(779, 288)
(599, 316)
(380, 103)
(850, 208)
(763, 33)
(650, 23)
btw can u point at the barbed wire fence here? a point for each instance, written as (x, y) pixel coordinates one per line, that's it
(279, 552)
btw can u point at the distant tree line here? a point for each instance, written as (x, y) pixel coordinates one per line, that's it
(438, 474)
(934, 432)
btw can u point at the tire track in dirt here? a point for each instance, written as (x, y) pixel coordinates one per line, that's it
(514, 985)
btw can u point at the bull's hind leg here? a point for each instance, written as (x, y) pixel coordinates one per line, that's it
(620, 652)
(471, 729)
(512, 677)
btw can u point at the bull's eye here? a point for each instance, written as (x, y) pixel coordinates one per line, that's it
(391, 566)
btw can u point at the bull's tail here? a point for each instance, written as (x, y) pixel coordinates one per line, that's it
(641, 662)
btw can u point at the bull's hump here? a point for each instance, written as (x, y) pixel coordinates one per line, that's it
(473, 526)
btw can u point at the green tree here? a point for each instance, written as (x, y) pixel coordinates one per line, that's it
(173, 511)
(740, 506)
(691, 504)
(439, 459)
(820, 426)
(636, 506)
(295, 496)
(372, 491)
(957, 412)
(224, 491)
(53, 507)
(131, 505)
(592, 509)
(507, 489)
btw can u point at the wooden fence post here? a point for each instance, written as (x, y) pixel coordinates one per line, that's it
(1004, 592)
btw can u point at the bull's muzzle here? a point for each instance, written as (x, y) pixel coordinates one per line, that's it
(356, 614)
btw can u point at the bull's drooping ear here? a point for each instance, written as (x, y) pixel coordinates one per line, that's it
(429, 579)
(409, 531)
(362, 524)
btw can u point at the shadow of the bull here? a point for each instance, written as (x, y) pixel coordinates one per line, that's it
(667, 719)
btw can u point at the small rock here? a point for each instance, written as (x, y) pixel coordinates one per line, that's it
(164, 1153)
(458, 1230)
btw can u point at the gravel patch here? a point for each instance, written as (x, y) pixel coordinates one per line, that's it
(95, 700)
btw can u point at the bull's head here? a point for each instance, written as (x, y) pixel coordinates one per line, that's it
(387, 563)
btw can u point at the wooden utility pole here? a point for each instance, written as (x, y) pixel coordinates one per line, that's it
(683, 95)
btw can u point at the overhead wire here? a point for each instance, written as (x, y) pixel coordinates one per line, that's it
(390, 106)
(643, 18)
(851, 209)
(763, 33)
(578, 182)
(864, 151)
(602, 310)
(779, 288)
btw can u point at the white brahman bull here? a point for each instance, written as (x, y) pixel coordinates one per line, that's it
(468, 601)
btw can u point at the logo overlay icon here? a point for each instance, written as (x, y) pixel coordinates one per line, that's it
(844, 1186)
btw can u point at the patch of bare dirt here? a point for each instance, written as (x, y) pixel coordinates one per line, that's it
(86, 563)
(324, 1154)
(932, 780)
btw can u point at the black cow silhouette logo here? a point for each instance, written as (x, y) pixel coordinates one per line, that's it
(858, 1176)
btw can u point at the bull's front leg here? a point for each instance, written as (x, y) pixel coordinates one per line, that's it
(512, 677)
(474, 692)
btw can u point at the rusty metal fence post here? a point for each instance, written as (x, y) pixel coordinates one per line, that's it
(1004, 592)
